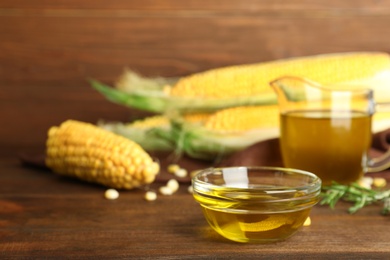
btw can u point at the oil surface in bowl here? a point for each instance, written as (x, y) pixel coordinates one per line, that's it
(255, 227)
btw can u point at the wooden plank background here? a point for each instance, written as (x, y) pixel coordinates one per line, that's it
(49, 48)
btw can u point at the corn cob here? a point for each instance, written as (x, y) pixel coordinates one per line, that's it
(150, 122)
(380, 121)
(242, 85)
(226, 131)
(253, 79)
(212, 136)
(84, 151)
(153, 133)
(196, 117)
(243, 118)
(222, 132)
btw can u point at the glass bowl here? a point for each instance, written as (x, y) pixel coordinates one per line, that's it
(256, 204)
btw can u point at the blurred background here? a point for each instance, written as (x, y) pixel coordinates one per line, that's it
(48, 49)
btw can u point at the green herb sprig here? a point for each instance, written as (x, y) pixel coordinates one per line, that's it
(356, 194)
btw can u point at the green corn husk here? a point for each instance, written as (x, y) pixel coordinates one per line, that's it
(149, 94)
(246, 84)
(190, 138)
(157, 101)
(153, 138)
(198, 142)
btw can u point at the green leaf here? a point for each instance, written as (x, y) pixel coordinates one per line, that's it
(153, 101)
(201, 143)
(156, 100)
(358, 195)
(151, 139)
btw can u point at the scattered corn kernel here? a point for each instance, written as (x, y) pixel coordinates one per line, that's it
(172, 168)
(365, 182)
(181, 173)
(111, 194)
(165, 190)
(190, 189)
(307, 222)
(173, 185)
(177, 170)
(379, 182)
(150, 196)
(369, 180)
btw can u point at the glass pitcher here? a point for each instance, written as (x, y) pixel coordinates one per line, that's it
(327, 130)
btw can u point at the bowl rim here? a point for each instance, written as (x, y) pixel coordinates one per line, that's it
(310, 188)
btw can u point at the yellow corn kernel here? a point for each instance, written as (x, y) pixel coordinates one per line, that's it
(150, 122)
(150, 196)
(181, 173)
(111, 194)
(172, 168)
(379, 182)
(176, 170)
(196, 117)
(173, 185)
(164, 121)
(365, 182)
(244, 118)
(165, 190)
(85, 151)
(253, 79)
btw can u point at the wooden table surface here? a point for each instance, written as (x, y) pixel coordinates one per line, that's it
(47, 216)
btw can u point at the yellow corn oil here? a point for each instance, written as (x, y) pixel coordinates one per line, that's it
(333, 145)
(253, 220)
(252, 227)
(256, 204)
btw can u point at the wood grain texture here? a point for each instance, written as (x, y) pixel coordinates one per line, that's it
(46, 216)
(49, 48)
(71, 41)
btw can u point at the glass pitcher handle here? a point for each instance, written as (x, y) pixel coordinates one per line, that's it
(382, 162)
